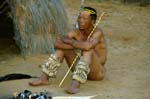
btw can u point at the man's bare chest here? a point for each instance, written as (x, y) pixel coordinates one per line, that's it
(81, 37)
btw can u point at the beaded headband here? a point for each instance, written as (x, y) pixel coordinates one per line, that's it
(89, 11)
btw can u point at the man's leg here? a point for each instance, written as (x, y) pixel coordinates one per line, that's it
(97, 69)
(91, 69)
(60, 55)
(81, 71)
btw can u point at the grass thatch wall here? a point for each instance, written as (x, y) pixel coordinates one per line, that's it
(37, 23)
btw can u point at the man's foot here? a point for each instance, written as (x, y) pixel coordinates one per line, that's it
(42, 80)
(73, 88)
(39, 82)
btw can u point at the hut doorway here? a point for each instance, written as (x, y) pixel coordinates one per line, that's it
(8, 46)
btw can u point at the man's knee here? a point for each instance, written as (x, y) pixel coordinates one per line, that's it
(61, 54)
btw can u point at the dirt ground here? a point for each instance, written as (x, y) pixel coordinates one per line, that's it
(126, 29)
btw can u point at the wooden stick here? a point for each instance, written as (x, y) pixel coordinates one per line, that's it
(78, 56)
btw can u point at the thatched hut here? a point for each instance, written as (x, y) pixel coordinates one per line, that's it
(36, 23)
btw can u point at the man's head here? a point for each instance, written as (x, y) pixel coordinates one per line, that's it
(91, 11)
(87, 18)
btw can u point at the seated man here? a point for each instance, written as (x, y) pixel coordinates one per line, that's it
(93, 53)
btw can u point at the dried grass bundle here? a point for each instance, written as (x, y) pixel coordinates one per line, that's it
(37, 24)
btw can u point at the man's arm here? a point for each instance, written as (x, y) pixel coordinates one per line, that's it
(86, 45)
(60, 44)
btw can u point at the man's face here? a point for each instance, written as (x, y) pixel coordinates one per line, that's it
(84, 20)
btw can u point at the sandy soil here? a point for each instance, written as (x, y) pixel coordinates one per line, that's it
(126, 29)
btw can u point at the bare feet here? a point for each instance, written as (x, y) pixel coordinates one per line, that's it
(39, 82)
(43, 80)
(73, 88)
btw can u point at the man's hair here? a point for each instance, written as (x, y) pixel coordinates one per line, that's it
(92, 11)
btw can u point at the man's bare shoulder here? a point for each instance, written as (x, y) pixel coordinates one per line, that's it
(73, 33)
(98, 32)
